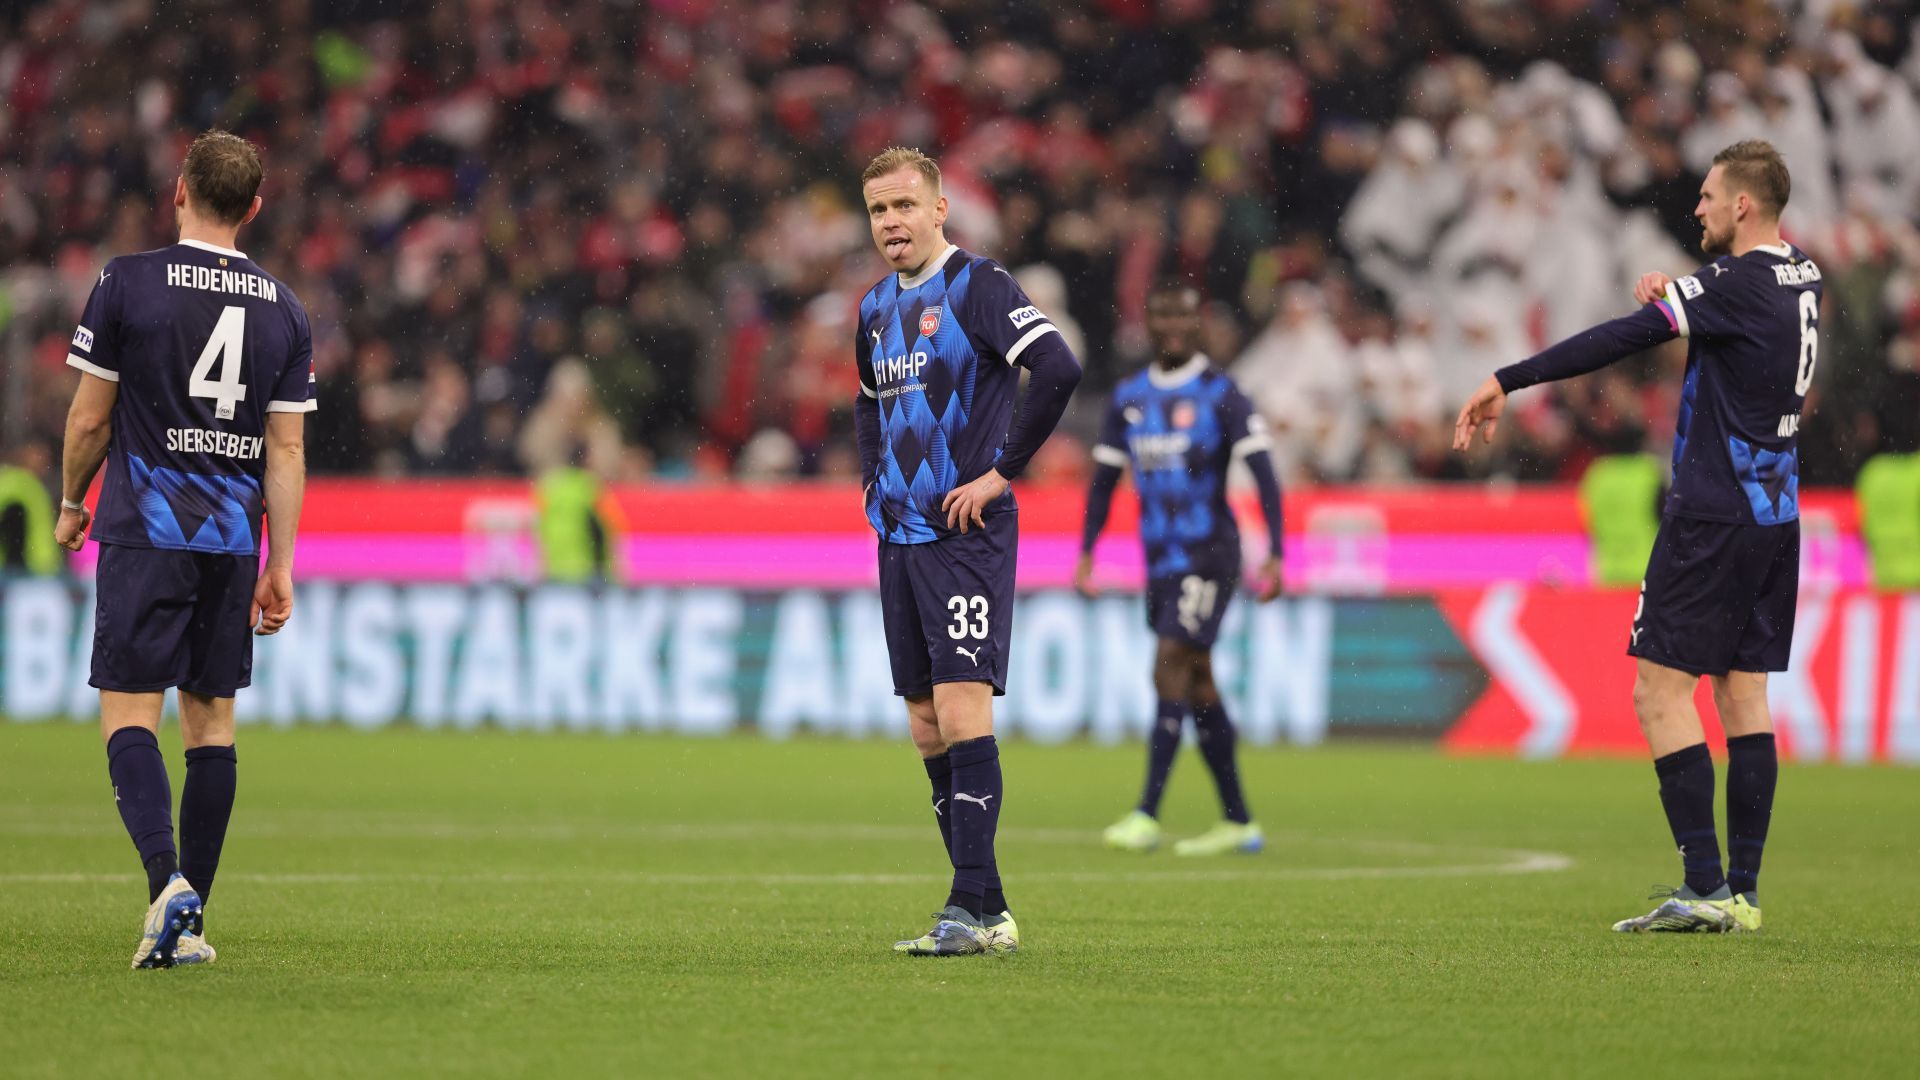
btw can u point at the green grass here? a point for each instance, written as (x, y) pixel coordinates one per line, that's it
(479, 905)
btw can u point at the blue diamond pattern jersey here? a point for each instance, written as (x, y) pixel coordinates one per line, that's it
(1179, 431)
(203, 344)
(939, 353)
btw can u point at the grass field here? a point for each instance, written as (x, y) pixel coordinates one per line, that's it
(412, 903)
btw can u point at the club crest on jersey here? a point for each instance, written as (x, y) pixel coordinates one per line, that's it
(1184, 414)
(929, 321)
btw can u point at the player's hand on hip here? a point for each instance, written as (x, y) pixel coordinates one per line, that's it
(1083, 577)
(1270, 581)
(272, 601)
(1482, 408)
(70, 531)
(965, 505)
(1651, 286)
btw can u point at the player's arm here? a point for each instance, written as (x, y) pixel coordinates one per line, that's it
(1018, 331)
(89, 430)
(286, 487)
(286, 483)
(866, 414)
(1109, 462)
(1581, 354)
(96, 353)
(1252, 444)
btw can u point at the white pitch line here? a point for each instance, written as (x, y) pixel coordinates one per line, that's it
(336, 826)
(1515, 862)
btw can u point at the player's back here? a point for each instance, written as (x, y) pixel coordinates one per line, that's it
(204, 344)
(1753, 327)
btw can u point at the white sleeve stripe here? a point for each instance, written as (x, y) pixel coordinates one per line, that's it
(1252, 444)
(869, 391)
(1107, 455)
(1679, 309)
(1027, 339)
(293, 406)
(92, 368)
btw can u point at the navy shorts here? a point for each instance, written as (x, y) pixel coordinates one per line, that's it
(947, 606)
(173, 618)
(1718, 597)
(1188, 608)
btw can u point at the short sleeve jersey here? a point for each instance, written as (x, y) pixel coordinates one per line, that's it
(937, 353)
(204, 344)
(1179, 431)
(1752, 328)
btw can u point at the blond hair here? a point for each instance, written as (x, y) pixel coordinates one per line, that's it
(901, 157)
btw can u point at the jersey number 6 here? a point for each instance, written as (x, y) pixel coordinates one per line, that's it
(1809, 342)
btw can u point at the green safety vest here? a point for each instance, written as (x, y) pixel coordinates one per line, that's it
(22, 489)
(577, 542)
(1620, 499)
(1888, 491)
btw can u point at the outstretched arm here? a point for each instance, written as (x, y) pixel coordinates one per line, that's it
(1585, 352)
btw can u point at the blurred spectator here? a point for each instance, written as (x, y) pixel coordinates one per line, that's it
(1378, 206)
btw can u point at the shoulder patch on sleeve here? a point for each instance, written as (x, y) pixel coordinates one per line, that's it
(1690, 287)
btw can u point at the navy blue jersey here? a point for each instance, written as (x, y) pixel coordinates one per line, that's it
(204, 344)
(937, 353)
(1180, 430)
(1752, 328)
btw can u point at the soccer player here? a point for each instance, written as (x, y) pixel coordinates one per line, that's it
(1180, 424)
(1721, 584)
(936, 346)
(196, 375)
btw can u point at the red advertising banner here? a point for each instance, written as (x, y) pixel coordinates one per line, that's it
(1561, 683)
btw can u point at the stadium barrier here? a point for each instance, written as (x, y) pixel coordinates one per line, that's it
(1507, 668)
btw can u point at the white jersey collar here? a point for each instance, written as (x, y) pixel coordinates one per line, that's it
(926, 272)
(1783, 251)
(1185, 373)
(215, 248)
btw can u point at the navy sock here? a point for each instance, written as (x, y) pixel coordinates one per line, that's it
(940, 775)
(1163, 745)
(975, 814)
(1218, 744)
(1686, 791)
(145, 800)
(1753, 768)
(206, 802)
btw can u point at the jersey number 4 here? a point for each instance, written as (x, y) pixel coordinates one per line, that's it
(229, 335)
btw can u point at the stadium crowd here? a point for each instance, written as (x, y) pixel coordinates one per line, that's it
(630, 233)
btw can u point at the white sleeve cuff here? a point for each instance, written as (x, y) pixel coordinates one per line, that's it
(869, 391)
(1679, 309)
(293, 406)
(1108, 455)
(92, 368)
(1252, 444)
(1027, 339)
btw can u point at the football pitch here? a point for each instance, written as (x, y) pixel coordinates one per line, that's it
(412, 903)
